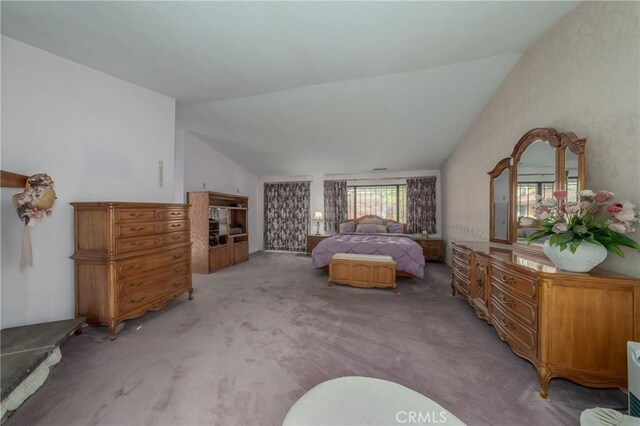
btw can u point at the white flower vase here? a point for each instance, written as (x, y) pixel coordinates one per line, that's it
(586, 257)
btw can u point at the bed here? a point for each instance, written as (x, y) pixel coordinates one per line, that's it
(352, 239)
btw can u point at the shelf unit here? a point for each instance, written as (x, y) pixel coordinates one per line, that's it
(214, 218)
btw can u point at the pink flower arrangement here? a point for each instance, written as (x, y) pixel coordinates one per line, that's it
(596, 218)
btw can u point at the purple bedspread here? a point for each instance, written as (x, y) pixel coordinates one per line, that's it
(406, 252)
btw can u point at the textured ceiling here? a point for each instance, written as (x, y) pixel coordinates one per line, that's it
(303, 87)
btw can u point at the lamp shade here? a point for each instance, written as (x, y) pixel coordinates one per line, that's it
(317, 216)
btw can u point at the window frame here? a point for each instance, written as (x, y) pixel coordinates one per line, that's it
(397, 186)
(540, 190)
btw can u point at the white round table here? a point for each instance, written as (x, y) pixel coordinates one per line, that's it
(352, 401)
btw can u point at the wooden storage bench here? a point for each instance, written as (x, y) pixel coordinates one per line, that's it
(363, 270)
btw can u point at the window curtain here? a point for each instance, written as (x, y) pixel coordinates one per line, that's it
(421, 204)
(286, 215)
(336, 208)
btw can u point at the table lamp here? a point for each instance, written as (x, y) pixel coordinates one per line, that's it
(317, 216)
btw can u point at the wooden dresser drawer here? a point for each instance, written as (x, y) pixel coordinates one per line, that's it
(127, 245)
(148, 214)
(463, 269)
(461, 284)
(149, 228)
(142, 299)
(515, 283)
(463, 255)
(152, 262)
(141, 282)
(520, 337)
(524, 311)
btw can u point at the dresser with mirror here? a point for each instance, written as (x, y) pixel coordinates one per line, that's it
(570, 325)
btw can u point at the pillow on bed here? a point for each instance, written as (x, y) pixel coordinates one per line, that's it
(368, 228)
(347, 227)
(395, 227)
(381, 229)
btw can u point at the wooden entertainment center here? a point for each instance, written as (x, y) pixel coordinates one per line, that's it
(219, 230)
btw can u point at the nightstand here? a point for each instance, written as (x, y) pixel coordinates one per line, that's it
(313, 240)
(432, 249)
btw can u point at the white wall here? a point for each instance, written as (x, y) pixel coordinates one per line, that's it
(317, 191)
(206, 169)
(99, 137)
(582, 76)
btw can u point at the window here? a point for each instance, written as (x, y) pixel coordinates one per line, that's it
(386, 201)
(572, 189)
(527, 193)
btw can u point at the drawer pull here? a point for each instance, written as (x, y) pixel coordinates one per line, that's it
(138, 243)
(136, 267)
(509, 302)
(178, 256)
(507, 323)
(176, 237)
(178, 270)
(507, 279)
(136, 301)
(134, 229)
(137, 283)
(136, 214)
(175, 213)
(176, 225)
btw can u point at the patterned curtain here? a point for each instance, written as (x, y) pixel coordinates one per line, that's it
(335, 204)
(286, 215)
(421, 205)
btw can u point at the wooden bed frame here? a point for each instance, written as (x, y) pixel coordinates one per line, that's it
(378, 221)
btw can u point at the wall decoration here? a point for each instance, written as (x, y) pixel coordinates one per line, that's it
(35, 202)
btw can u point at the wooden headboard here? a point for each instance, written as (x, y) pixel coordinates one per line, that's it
(378, 219)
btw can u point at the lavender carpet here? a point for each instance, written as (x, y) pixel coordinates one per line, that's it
(259, 335)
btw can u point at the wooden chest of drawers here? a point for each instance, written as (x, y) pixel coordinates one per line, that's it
(432, 249)
(129, 258)
(461, 279)
(566, 324)
(313, 240)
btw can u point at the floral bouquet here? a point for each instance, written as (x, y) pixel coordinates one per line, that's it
(596, 219)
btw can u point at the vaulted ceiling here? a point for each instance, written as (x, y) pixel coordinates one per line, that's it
(303, 87)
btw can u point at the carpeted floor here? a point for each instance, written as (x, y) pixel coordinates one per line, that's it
(260, 334)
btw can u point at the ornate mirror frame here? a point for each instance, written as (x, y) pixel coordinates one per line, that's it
(503, 166)
(576, 145)
(558, 141)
